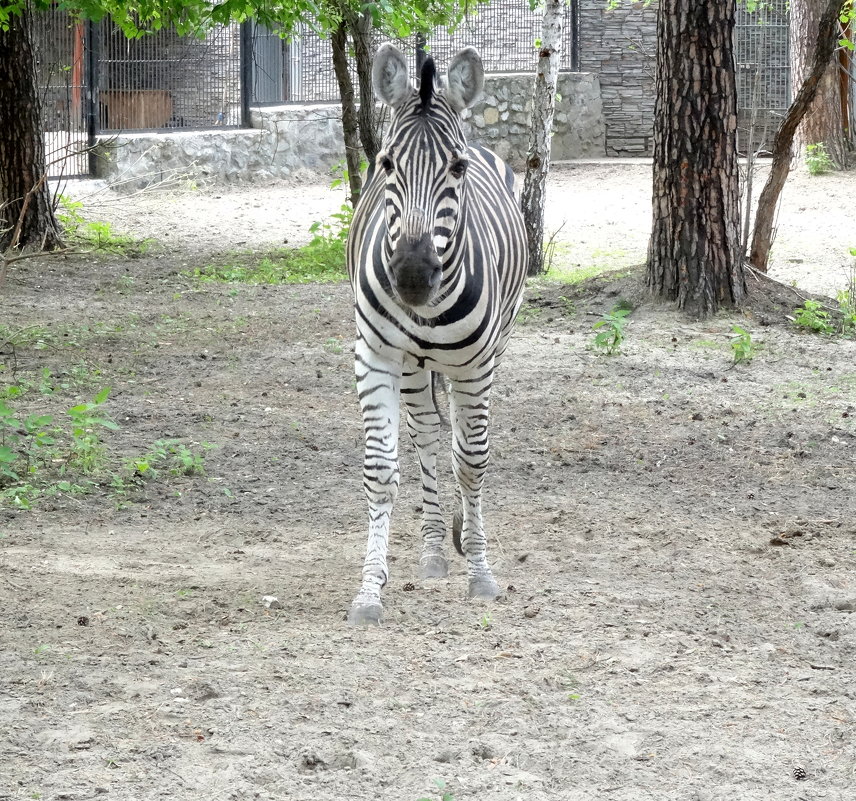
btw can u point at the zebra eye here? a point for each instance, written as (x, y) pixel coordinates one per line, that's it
(458, 168)
(386, 163)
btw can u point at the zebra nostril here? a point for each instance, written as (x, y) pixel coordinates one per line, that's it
(436, 276)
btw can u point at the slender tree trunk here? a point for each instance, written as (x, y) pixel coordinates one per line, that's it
(26, 212)
(694, 253)
(824, 46)
(364, 51)
(350, 125)
(824, 121)
(541, 134)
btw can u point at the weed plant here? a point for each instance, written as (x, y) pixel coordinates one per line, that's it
(321, 261)
(847, 301)
(95, 235)
(445, 795)
(814, 317)
(817, 159)
(170, 455)
(742, 347)
(44, 456)
(609, 330)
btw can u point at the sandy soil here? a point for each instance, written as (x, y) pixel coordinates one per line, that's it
(677, 536)
(600, 212)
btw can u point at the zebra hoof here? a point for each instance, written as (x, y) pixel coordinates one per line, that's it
(365, 614)
(484, 589)
(433, 565)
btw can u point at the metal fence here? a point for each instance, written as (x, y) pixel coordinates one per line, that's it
(762, 55)
(504, 33)
(61, 75)
(96, 80)
(167, 81)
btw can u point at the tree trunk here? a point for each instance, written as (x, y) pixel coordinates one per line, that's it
(694, 253)
(824, 46)
(26, 212)
(541, 134)
(350, 125)
(364, 51)
(824, 121)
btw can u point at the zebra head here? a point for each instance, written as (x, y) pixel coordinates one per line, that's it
(424, 163)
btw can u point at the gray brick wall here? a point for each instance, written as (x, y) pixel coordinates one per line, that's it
(619, 45)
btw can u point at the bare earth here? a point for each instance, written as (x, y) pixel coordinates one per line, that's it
(677, 536)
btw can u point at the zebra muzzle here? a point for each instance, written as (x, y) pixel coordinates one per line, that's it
(415, 270)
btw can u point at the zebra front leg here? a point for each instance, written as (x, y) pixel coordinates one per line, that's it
(423, 425)
(378, 392)
(470, 456)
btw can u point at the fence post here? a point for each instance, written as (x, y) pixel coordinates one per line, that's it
(574, 22)
(91, 80)
(420, 52)
(246, 72)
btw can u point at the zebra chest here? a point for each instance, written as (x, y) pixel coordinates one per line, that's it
(447, 338)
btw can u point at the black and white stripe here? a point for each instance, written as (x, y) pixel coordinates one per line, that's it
(437, 260)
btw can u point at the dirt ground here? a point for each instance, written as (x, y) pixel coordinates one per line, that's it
(677, 536)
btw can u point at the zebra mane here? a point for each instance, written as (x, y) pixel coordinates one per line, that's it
(426, 82)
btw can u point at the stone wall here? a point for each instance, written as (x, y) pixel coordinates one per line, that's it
(619, 45)
(500, 120)
(289, 140)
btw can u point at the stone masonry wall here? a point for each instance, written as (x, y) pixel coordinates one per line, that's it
(287, 141)
(500, 120)
(619, 45)
(290, 140)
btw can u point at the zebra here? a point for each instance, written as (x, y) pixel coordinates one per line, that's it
(437, 260)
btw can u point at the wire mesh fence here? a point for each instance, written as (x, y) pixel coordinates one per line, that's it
(762, 55)
(164, 81)
(94, 79)
(161, 81)
(504, 32)
(61, 75)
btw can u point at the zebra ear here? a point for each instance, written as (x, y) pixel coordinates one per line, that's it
(465, 79)
(389, 76)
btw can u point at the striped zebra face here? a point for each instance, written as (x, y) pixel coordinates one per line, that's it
(424, 164)
(424, 187)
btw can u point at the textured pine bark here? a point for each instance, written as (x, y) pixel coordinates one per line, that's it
(350, 124)
(824, 120)
(694, 253)
(26, 212)
(543, 108)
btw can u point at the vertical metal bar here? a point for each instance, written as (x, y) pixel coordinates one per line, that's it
(91, 77)
(574, 21)
(286, 71)
(420, 52)
(246, 68)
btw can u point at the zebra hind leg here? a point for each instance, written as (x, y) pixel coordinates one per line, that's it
(423, 425)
